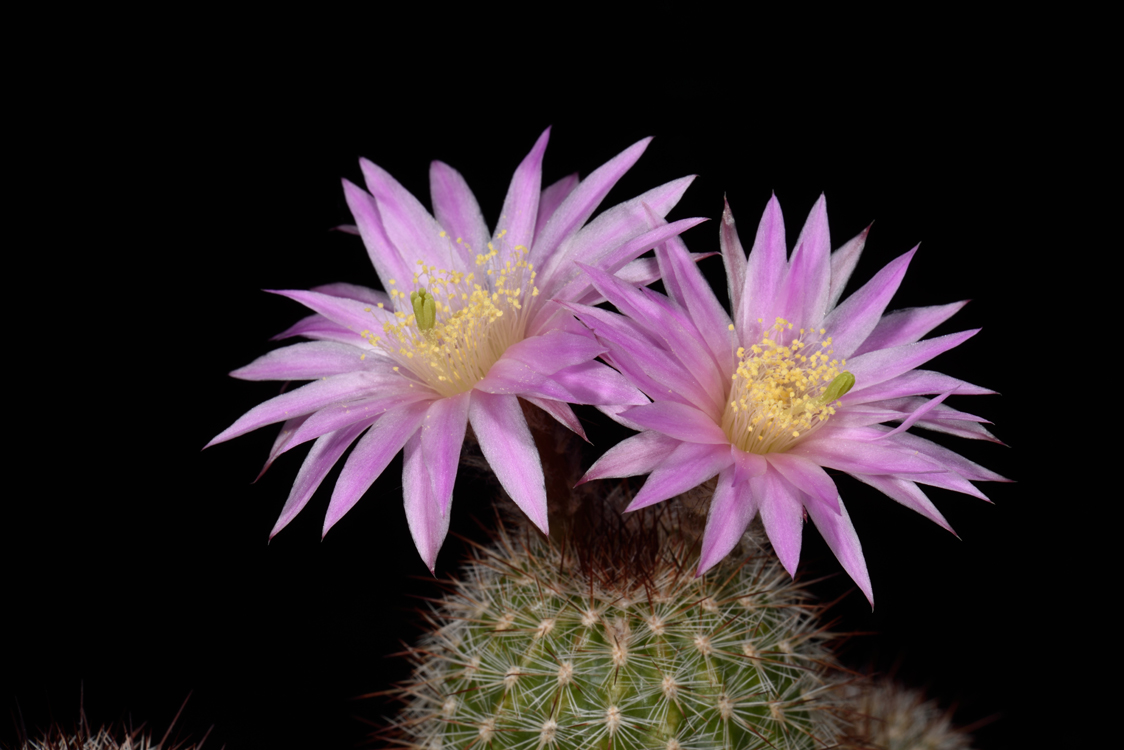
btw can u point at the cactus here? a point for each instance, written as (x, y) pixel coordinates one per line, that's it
(891, 717)
(606, 639)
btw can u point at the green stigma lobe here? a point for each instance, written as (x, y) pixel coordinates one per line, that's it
(839, 387)
(425, 310)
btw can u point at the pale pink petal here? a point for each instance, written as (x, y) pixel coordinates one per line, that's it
(803, 301)
(411, 229)
(702, 306)
(920, 412)
(319, 461)
(309, 361)
(946, 458)
(316, 326)
(551, 199)
(442, 436)
(281, 442)
(505, 440)
(851, 323)
(839, 533)
(639, 454)
(428, 525)
(961, 428)
(906, 326)
(639, 272)
(371, 455)
(765, 270)
(351, 314)
(521, 205)
(304, 400)
(679, 421)
(733, 257)
(865, 458)
(808, 477)
(554, 350)
(560, 411)
(341, 414)
(782, 514)
(457, 211)
(580, 204)
(354, 291)
(382, 252)
(877, 367)
(731, 509)
(689, 465)
(911, 383)
(747, 465)
(594, 383)
(908, 494)
(843, 262)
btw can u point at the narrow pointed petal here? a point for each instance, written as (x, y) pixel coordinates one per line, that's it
(309, 361)
(594, 383)
(948, 459)
(782, 514)
(906, 326)
(839, 533)
(747, 465)
(457, 211)
(918, 414)
(689, 465)
(505, 440)
(384, 255)
(912, 383)
(843, 262)
(521, 205)
(865, 458)
(319, 461)
(356, 292)
(583, 201)
(733, 257)
(281, 442)
(319, 328)
(703, 307)
(908, 494)
(351, 314)
(551, 199)
(553, 351)
(877, 367)
(639, 272)
(808, 477)
(341, 414)
(411, 229)
(851, 323)
(960, 428)
(680, 422)
(442, 435)
(371, 455)
(639, 454)
(765, 270)
(808, 284)
(561, 411)
(731, 510)
(428, 525)
(304, 400)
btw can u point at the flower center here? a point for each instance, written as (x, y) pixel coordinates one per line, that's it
(782, 393)
(461, 324)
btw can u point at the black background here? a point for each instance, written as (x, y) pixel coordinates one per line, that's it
(137, 567)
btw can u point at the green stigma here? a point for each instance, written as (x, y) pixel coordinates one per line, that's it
(843, 382)
(425, 311)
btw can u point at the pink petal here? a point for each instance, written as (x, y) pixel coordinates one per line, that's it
(551, 199)
(442, 435)
(911, 383)
(765, 270)
(851, 323)
(908, 494)
(806, 288)
(552, 351)
(583, 201)
(341, 414)
(679, 421)
(731, 509)
(382, 252)
(639, 454)
(877, 367)
(309, 361)
(918, 414)
(408, 225)
(371, 455)
(946, 458)
(839, 533)
(906, 326)
(702, 306)
(428, 524)
(560, 411)
(281, 442)
(688, 466)
(457, 211)
(505, 441)
(733, 257)
(319, 461)
(782, 514)
(305, 400)
(351, 314)
(596, 384)
(843, 262)
(747, 465)
(356, 292)
(316, 326)
(521, 205)
(863, 458)
(808, 477)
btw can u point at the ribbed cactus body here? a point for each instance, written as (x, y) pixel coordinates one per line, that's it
(533, 649)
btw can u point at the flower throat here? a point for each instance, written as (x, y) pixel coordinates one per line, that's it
(460, 324)
(782, 393)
